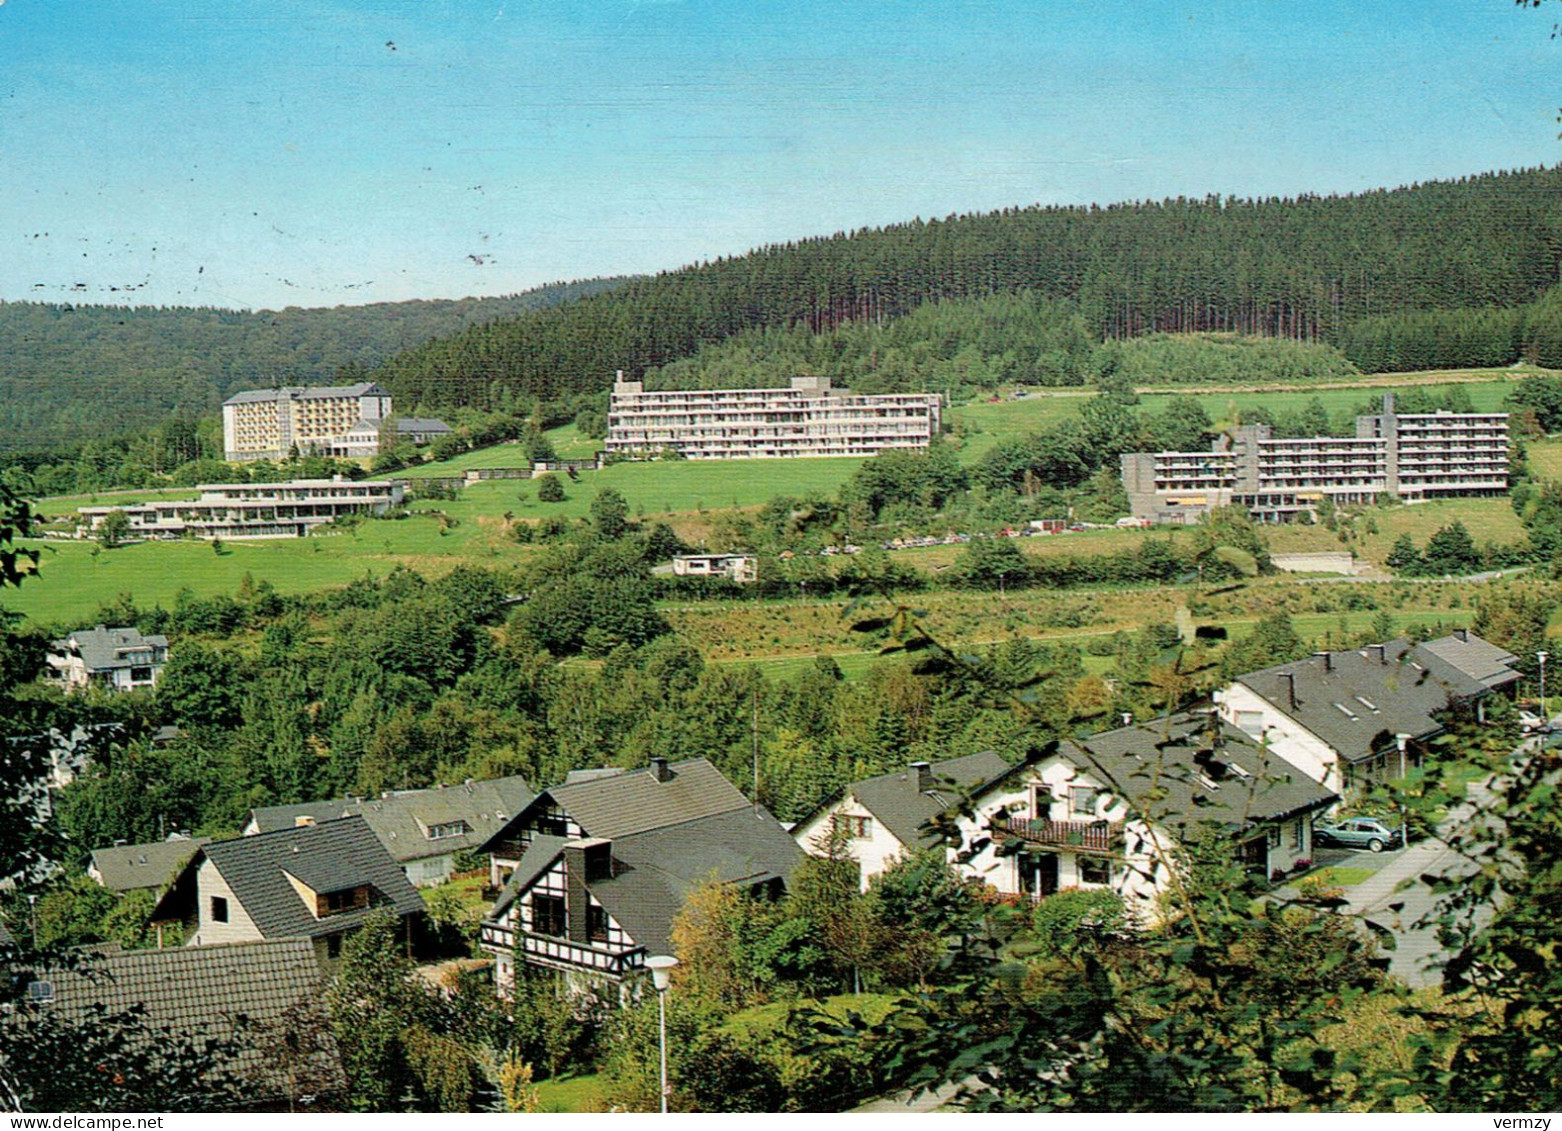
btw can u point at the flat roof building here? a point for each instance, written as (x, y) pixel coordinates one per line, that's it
(807, 419)
(1413, 457)
(252, 510)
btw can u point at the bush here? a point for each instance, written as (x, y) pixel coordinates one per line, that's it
(549, 489)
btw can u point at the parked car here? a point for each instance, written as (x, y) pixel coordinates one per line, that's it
(1530, 721)
(1359, 832)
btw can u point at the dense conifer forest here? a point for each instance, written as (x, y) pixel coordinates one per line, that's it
(1361, 268)
(74, 373)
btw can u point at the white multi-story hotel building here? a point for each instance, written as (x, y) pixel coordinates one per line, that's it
(808, 419)
(1413, 457)
(325, 420)
(252, 510)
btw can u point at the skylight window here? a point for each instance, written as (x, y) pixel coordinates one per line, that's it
(1368, 704)
(1208, 782)
(1238, 770)
(1347, 712)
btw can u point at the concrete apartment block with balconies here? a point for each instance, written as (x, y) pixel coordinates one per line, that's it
(1412, 457)
(809, 419)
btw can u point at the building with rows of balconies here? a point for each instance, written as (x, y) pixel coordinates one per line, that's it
(807, 419)
(1413, 457)
(326, 420)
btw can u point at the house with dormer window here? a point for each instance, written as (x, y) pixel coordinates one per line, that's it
(119, 659)
(425, 830)
(1111, 810)
(595, 870)
(1352, 718)
(314, 881)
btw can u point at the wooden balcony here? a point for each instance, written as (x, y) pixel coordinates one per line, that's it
(1104, 837)
(560, 953)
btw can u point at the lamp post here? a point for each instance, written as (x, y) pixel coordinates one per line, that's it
(1541, 659)
(661, 967)
(1404, 830)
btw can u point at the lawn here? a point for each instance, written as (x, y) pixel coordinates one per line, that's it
(572, 1094)
(1545, 458)
(1487, 520)
(661, 488)
(75, 578)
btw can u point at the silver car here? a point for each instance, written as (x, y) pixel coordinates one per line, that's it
(1359, 832)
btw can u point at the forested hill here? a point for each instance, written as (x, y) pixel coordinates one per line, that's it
(1304, 268)
(74, 373)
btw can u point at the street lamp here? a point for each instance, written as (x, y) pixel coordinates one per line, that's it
(661, 967)
(1404, 828)
(1541, 657)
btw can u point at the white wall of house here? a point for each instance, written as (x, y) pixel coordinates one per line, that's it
(240, 927)
(1289, 842)
(430, 870)
(874, 852)
(1262, 721)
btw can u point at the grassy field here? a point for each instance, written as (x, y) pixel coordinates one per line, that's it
(1545, 458)
(572, 1094)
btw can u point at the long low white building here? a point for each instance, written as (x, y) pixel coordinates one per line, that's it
(807, 419)
(251, 510)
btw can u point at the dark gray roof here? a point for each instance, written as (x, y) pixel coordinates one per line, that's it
(402, 820)
(1479, 659)
(624, 804)
(1178, 773)
(1358, 701)
(103, 649)
(420, 424)
(128, 867)
(655, 870)
(332, 856)
(905, 810)
(206, 991)
(6, 938)
(307, 392)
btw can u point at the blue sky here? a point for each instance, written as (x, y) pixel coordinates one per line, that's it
(265, 154)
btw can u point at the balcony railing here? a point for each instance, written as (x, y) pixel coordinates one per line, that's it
(1081, 836)
(549, 950)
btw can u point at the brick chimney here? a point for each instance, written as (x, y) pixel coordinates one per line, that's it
(585, 862)
(922, 774)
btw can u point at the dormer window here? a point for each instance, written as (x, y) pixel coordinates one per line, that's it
(40, 992)
(447, 830)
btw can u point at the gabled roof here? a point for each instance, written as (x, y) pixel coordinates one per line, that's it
(654, 871)
(223, 991)
(128, 867)
(904, 808)
(420, 424)
(6, 938)
(333, 856)
(1358, 701)
(103, 649)
(623, 804)
(307, 392)
(402, 820)
(1479, 659)
(1179, 772)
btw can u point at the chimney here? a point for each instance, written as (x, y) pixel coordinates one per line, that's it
(659, 769)
(922, 774)
(1327, 658)
(1382, 651)
(585, 862)
(1290, 683)
(1463, 634)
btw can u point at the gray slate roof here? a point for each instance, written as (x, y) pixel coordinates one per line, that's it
(1358, 701)
(623, 804)
(655, 870)
(421, 424)
(1181, 774)
(102, 649)
(129, 867)
(206, 991)
(401, 819)
(1477, 658)
(332, 856)
(905, 810)
(307, 392)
